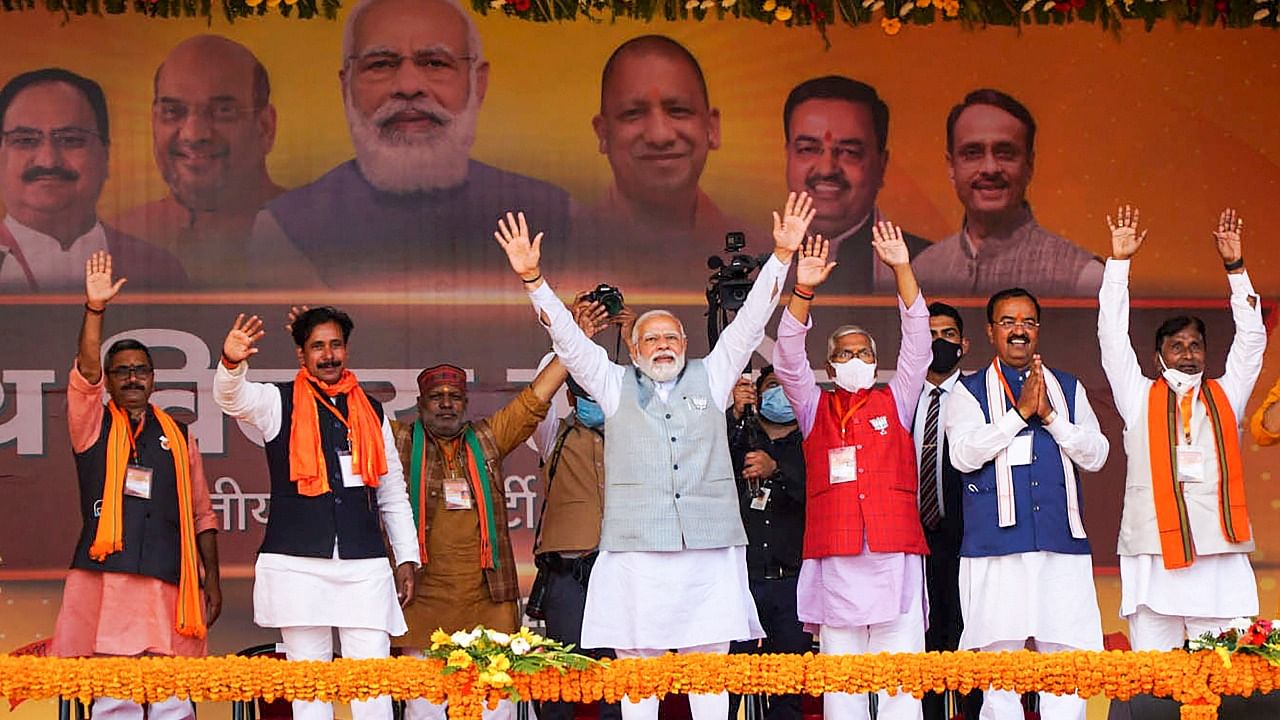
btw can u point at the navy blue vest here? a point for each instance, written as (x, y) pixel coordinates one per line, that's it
(152, 540)
(307, 526)
(1039, 489)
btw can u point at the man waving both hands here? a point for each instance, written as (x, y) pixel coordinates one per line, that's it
(1185, 536)
(672, 569)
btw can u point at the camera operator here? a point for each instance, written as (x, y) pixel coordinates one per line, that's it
(571, 450)
(768, 462)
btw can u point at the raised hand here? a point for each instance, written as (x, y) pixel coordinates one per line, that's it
(812, 269)
(789, 228)
(744, 394)
(295, 311)
(591, 316)
(98, 287)
(889, 245)
(524, 255)
(241, 341)
(1125, 239)
(1227, 236)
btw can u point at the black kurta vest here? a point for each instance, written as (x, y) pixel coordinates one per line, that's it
(152, 540)
(307, 526)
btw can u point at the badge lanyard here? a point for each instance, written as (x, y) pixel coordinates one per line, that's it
(846, 416)
(1008, 391)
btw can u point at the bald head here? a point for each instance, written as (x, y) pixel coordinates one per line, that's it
(213, 125)
(650, 46)
(206, 55)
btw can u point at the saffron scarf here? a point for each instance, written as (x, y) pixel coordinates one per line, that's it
(1171, 507)
(477, 475)
(307, 465)
(997, 392)
(110, 534)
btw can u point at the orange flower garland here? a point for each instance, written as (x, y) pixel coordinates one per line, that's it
(1197, 680)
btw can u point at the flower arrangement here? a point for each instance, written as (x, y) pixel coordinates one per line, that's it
(496, 655)
(1244, 635)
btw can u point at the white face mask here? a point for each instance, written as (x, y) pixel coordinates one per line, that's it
(1180, 382)
(854, 375)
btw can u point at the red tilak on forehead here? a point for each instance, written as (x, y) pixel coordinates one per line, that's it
(827, 137)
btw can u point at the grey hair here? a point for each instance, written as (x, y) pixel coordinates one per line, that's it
(474, 47)
(849, 330)
(635, 329)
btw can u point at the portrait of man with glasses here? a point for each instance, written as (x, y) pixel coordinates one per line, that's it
(413, 77)
(212, 126)
(54, 142)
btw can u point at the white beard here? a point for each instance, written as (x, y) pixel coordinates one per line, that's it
(661, 372)
(406, 163)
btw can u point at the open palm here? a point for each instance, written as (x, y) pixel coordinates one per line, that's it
(789, 228)
(889, 245)
(1227, 236)
(1125, 239)
(98, 286)
(812, 269)
(513, 236)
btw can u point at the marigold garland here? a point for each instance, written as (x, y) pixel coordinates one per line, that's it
(1197, 680)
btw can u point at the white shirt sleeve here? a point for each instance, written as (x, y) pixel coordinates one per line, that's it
(544, 436)
(741, 337)
(1129, 386)
(587, 362)
(974, 442)
(258, 404)
(1244, 360)
(1082, 440)
(393, 504)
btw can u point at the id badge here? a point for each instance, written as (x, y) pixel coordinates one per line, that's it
(1190, 463)
(843, 464)
(349, 477)
(457, 494)
(137, 481)
(1020, 450)
(761, 500)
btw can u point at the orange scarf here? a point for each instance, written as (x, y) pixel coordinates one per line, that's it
(306, 453)
(1171, 507)
(110, 535)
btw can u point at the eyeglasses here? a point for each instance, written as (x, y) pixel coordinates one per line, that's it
(866, 354)
(68, 138)
(1009, 324)
(122, 372)
(436, 64)
(222, 112)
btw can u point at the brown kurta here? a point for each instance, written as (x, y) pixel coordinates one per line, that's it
(454, 592)
(575, 495)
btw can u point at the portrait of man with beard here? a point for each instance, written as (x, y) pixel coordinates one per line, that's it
(412, 209)
(991, 143)
(837, 133)
(212, 125)
(53, 164)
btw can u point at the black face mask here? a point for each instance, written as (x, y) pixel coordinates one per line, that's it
(946, 355)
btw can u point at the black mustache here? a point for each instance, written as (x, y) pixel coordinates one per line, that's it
(325, 365)
(837, 178)
(1019, 337)
(132, 386)
(32, 174)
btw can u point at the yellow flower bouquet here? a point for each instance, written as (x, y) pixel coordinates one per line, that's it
(496, 655)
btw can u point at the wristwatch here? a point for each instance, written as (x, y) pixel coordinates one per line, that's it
(1048, 419)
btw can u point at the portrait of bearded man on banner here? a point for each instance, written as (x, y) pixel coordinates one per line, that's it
(412, 208)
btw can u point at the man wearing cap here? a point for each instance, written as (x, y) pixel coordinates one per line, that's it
(457, 491)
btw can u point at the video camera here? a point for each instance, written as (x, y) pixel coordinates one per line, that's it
(730, 282)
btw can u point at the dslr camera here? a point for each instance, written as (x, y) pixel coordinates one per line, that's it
(608, 296)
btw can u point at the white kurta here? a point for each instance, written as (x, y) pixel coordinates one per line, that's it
(53, 267)
(1216, 585)
(290, 591)
(1044, 595)
(664, 600)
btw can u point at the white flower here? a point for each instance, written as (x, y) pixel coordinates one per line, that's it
(464, 639)
(519, 646)
(501, 638)
(1240, 624)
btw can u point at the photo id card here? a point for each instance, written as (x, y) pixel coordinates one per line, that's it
(137, 481)
(761, 499)
(843, 463)
(1020, 450)
(457, 494)
(349, 477)
(1190, 463)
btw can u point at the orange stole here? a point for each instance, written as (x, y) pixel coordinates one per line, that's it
(1171, 507)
